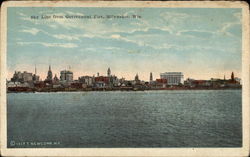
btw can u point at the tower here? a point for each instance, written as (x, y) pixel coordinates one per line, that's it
(55, 78)
(232, 76)
(109, 72)
(35, 69)
(49, 76)
(136, 77)
(151, 77)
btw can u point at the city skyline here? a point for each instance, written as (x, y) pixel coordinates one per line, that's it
(202, 43)
(51, 74)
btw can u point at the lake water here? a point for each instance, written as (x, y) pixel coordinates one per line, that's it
(195, 118)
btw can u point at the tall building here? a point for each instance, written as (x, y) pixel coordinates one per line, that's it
(151, 77)
(109, 72)
(137, 77)
(232, 76)
(173, 78)
(22, 77)
(66, 76)
(86, 80)
(55, 79)
(49, 75)
(35, 76)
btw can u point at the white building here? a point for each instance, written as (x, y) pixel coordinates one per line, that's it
(22, 77)
(66, 76)
(173, 78)
(86, 80)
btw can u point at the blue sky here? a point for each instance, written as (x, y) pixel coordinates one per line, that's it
(201, 43)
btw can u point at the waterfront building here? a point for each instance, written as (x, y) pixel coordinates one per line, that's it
(55, 78)
(66, 76)
(101, 81)
(27, 77)
(11, 84)
(113, 81)
(35, 78)
(238, 80)
(173, 78)
(17, 77)
(161, 83)
(22, 77)
(86, 80)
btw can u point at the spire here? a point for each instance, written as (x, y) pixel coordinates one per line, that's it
(232, 76)
(35, 69)
(136, 77)
(49, 75)
(151, 77)
(108, 72)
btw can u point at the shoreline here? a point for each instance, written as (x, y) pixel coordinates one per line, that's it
(115, 90)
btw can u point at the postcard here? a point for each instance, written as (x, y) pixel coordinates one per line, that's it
(111, 78)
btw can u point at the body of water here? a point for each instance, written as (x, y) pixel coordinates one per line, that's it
(189, 118)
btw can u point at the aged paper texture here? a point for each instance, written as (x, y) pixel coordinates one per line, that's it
(127, 78)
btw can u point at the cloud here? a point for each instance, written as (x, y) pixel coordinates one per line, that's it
(225, 27)
(62, 45)
(174, 17)
(112, 48)
(195, 33)
(21, 14)
(115, 36)
(66, 37)
(32, 31)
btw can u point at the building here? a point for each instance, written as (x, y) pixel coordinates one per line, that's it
(22, 77)
(49, 75)
(101, 81)
(86, 80)
(109, 72)
(35, 76)
(173, 78)
(151, 78)
(66, 76)
(55, 79)
(113, 81)
(161, 83)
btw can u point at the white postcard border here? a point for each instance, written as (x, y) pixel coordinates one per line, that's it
(244, 151)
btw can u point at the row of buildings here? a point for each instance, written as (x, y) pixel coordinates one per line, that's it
(166, 80)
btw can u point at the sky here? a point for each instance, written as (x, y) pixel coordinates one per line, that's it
(202, 43)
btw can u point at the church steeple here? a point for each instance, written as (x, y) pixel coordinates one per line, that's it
(49, 76)
(151, 77)
(35, 69)
(136, 77)
(109, 72)
(232, 76)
